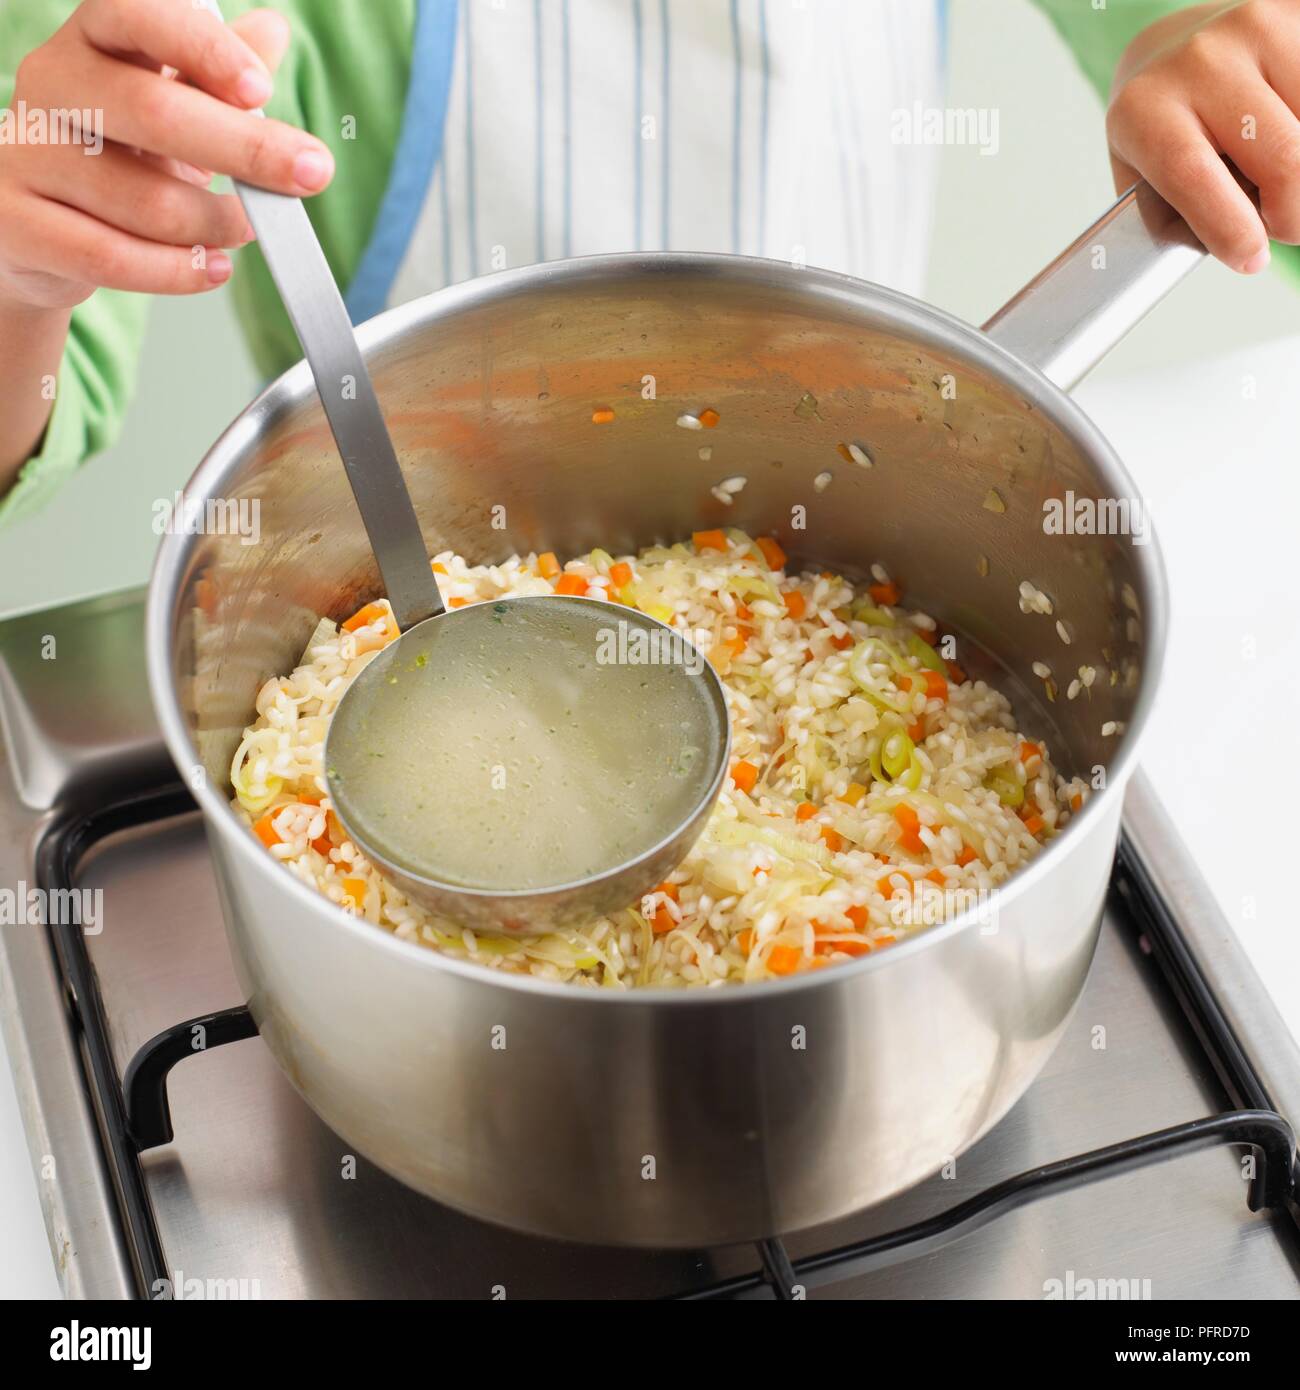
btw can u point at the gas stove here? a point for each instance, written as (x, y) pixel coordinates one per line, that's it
(186, 1161)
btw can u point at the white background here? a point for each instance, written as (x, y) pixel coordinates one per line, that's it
(1203, 402)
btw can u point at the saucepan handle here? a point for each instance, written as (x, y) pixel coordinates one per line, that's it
(1070, 315)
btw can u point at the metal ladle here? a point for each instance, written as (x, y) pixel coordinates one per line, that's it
(554, 627)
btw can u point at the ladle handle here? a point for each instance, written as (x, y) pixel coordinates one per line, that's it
(320, 319)
(1070, 315)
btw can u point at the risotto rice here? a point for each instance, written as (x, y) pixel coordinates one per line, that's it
(875, 789)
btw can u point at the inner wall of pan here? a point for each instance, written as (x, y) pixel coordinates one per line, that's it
(491, 408)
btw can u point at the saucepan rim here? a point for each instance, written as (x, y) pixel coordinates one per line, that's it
(929, 326)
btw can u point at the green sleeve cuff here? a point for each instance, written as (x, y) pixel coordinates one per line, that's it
(94, 384)
(1286, 262)
(62, 452)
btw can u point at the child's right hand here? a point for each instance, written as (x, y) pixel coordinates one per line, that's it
(132, 216)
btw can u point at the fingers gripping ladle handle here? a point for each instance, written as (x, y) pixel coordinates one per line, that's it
(320, 319)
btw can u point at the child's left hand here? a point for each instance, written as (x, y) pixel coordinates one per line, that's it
(1215, 81)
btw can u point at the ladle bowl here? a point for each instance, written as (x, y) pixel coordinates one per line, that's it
(459, 703)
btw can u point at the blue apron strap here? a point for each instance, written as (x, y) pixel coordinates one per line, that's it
(419, 146)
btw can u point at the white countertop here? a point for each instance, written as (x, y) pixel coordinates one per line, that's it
(1213, 446)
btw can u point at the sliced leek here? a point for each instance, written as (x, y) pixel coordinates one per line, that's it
(865, 662)
(1009, 788)
(925, 653)
(893, 760)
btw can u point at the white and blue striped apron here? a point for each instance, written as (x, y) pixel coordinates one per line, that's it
(536, 129)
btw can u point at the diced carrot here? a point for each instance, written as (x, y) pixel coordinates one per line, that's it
(573, 584)
(909, 824)
(620, 574)
(956, 674)
(727, 651)
(744, 612)
(936, 876)
(772, 552)
(709, 540)
(355, 890)
(437, 568)
(602, 415)
(709, 418)
(744, 775)
(916, 732)
(363, 617)
(829, 946)
(663, 921)
(936, 688)
(843, 642)
(1034, 824)
(1029, 751)
(795, 604)
(458, 603)
(887, 885)
(669, 890)
(885, 595)
(265, 830)
(547, 565)
(858, 916)
(853, 793)
(1076, 802)
(966, 856)
(784, 960)
(806, 810)
(826, 942)
(745, 939)
(834, 840)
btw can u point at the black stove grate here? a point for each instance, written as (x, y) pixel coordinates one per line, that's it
(135, 1116)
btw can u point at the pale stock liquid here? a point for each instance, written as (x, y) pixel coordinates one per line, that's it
(517, 745)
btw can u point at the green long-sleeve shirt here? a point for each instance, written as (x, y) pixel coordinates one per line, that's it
(350, 61)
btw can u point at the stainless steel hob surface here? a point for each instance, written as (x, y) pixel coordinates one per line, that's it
(255, 1190)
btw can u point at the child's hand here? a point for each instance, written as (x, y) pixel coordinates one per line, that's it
(131, 216)
(1211, 81)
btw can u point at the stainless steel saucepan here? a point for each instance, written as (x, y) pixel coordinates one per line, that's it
(686, 1118)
